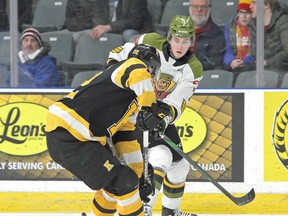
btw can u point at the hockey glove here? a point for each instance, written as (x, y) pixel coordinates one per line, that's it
(147, 187)
(158, 132)
(149, 118)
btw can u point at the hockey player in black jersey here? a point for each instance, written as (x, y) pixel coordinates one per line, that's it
(180, 74)
(105, 107)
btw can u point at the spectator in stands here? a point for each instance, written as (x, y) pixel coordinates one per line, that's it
(36, 67)
(24, 12)
(240, 46)
(96, 17)
(276, 34)
(4, 25)
(210, 43)
(129, 17)
(80, 17)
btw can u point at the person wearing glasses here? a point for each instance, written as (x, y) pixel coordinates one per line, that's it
(276, 34)
(240, 46)
(209, 44)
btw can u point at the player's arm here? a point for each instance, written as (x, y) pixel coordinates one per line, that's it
(182, 93)
(119, 53)
(133, 75)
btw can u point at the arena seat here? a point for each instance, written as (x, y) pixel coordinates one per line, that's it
(249, 79)
(81, 76)
(49, 15)
(215, 79)
(92, 54)
(223, 11)
(61, 45)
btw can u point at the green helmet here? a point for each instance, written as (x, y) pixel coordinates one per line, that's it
(182, 26)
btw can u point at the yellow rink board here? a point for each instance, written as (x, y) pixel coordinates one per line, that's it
(196, 203)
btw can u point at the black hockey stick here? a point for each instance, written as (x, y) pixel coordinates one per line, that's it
(240, 201)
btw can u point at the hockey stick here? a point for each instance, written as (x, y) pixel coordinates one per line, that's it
(145, 153)
(148, 185)
(240, 201)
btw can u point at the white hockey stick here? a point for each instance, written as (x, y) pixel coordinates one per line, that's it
(145, 153)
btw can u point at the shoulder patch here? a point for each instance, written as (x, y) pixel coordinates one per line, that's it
(196, 67)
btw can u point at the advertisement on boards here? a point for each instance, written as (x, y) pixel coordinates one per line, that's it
(211, 130)
(275, 140)
(23, 149)
(212, 134)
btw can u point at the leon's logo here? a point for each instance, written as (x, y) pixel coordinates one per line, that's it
(280, 132)
(192, 129)
(22, 129)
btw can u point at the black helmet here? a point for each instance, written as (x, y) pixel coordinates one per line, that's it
(149, 55)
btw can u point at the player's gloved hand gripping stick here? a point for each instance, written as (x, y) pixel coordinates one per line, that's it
(147, 184)
(150, 119)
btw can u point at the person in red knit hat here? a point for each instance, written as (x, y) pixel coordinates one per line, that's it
(240, 47)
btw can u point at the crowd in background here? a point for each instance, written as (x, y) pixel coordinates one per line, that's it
(230, 46)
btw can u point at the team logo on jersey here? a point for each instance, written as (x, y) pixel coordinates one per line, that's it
(180, 70)
(22, 128)
(108, 166)
(163, 86)
(280, 132)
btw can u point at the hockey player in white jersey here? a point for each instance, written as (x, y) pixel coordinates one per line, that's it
(181, 72)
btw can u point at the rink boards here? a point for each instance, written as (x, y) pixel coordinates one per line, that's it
(242, 148)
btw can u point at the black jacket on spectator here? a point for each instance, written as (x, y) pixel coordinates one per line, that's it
(3, 16)
(80, 15)
(130, 14)
(210, 47)
(276, 39)
(24, 14)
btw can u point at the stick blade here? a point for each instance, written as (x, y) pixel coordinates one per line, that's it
(249, 197)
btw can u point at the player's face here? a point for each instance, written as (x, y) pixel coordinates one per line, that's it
(179, 46)
(29, 45)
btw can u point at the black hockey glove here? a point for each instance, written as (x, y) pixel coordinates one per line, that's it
(149, 118)
(158, 132)
(147, 187)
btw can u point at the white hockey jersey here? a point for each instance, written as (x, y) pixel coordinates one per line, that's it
(178, 78)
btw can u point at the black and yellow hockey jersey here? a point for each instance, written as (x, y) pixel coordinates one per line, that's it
(106, 103)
